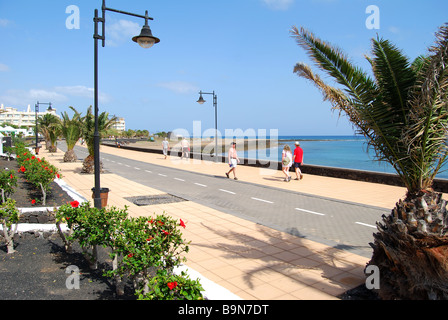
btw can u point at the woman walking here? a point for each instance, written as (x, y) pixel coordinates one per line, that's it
(286, 162)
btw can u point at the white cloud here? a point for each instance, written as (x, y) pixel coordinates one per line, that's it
(394, 30)
(83, 92)
(278, 4)
(55, 95)
(179, 87)
(4, 22)
(3, 67)
(121, 31)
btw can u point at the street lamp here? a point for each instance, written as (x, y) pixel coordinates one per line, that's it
(215, 105)
(36, 109)
(145, 40)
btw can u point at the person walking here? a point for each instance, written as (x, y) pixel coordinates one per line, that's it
(165, 146)
(286, 162)
(185, 148)
(233, 161)
(298, 160)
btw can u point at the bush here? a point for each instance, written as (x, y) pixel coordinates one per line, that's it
(37, 171)
(9, 218)
(8, 181)
(144, 251)
(165, 286)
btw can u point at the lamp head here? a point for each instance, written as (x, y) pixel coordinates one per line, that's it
(146, 40)
(201, 99)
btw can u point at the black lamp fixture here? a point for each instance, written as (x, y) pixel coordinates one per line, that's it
(36, 127)
(145, 40)
(201, 99)
(215, 105)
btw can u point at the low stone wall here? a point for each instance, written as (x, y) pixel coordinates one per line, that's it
(41, 217)
(440, 185)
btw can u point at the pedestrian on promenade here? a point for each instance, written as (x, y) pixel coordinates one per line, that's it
(233, 161)
(286, 162)
(166, 147)
(185, 148)
(298, 160)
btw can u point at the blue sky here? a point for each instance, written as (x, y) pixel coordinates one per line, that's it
(241, 49)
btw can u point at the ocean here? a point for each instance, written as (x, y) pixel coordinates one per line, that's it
(348, 152)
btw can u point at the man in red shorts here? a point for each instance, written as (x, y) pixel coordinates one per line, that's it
(298, 160)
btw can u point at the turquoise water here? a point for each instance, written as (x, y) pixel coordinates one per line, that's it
(332, 151)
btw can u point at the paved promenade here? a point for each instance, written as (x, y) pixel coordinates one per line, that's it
(251, 261)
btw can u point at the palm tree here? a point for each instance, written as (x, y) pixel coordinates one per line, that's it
(88, 131)
(403, 113)
(71, 130)
(50, 126)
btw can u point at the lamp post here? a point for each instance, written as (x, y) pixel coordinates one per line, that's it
(145, 40)
(215, 105)
(36, 109)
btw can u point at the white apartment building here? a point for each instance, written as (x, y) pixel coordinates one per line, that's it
(120, 125)
(23, 118)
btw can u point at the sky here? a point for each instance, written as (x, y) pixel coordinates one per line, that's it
(240, 49)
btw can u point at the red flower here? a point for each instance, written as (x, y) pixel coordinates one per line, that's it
(165, 232)
(130, 255)
(22, 168)
(152, 221)
(74, 204)
(25, 153)
(149, 239)
(33, 201)
(160, 223)
(182, 224)
(33, 157)
(38, 160)
(57, 175)
(172, 285)
(11, 176)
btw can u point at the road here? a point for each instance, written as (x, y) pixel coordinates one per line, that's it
(337, 223)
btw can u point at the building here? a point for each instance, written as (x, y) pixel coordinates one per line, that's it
(120, 125)
(22, 118)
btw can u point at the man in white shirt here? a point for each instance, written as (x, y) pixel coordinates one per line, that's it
(233, 161)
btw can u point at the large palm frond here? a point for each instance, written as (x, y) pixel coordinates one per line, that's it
(381, 109)
(104, 123)
(71, 128)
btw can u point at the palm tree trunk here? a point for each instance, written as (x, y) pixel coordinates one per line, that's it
(70, 156)
(411, 250)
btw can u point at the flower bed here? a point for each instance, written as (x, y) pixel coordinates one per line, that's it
(25, 192)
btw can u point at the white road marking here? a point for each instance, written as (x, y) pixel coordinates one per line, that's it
(136, 168)
(162, 175)
(148, 171)
(262, 200)
(308, 211)
(179, 179)
(227, 191)
(365, 224)
(201, 185)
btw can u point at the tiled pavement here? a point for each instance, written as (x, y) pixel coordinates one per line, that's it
(252, 261)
